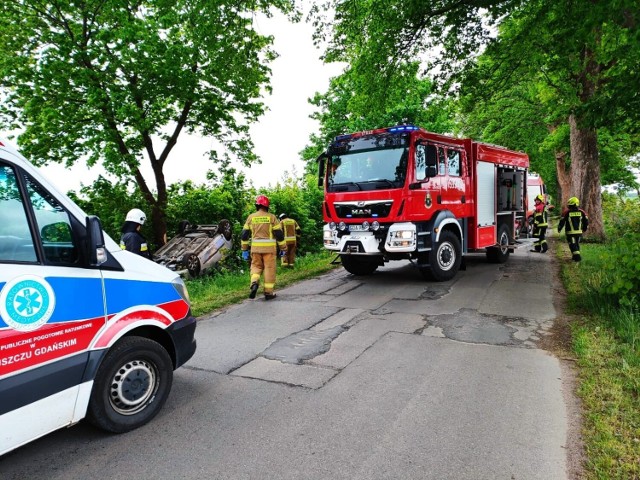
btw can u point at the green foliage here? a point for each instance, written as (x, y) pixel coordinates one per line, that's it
(223, 289)
(300, 199)
(621, 259)
(117, 81)
(110, 202)
(356, 102)
(606, 342)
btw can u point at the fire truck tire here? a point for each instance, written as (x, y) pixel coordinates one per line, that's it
(224, 227)
(192, 264)
(356, 266)
(131, 385)
(445, 257)
(500, 254)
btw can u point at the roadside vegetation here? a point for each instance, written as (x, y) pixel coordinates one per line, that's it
(226, 287)
(604, 295)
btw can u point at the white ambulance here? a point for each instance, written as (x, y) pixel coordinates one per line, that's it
(86, 329)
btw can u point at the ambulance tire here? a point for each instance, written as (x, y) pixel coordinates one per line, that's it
(500, 254)
(445, 257)
(131, 385)
(356, 266)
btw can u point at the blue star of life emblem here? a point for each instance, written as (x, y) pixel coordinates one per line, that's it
(26, 302)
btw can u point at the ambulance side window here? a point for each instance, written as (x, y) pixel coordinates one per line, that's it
(16, 244)
(54, 226)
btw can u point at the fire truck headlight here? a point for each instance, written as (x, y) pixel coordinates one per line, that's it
(327, 234)
(342, 226)
(375, 226)
(365, 226)
(332, 225)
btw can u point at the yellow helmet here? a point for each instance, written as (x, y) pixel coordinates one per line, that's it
(573, 202)
(540, 197)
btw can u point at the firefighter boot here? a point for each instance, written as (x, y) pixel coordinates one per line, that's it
(269, 296)
(253, 290)
(545, 247)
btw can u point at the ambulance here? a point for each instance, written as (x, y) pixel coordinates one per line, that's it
(86, 329)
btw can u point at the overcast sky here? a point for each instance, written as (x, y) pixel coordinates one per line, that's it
(279, 135)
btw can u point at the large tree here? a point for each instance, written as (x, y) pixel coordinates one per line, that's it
(589, 51)
(351, 104)
(116, 82)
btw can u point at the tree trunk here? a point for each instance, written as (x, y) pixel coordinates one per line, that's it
(564, 179)
(585, 174)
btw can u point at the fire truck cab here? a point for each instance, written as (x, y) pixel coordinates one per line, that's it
(405, 193)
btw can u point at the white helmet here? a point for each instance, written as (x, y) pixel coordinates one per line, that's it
(136, 215)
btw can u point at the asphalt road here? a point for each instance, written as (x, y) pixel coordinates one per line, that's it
(342, 377)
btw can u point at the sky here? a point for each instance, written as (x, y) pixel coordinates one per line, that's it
(296, 75)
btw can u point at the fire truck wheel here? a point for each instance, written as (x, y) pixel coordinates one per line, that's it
(131, 385)
(356, 266)
(445, 258)
(192, 263)
(224, 227)
(500, 254)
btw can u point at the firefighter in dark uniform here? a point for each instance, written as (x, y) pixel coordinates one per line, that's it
(131, 238)
(540, 224)
(261, 233)
(291, 231)
(575, 222)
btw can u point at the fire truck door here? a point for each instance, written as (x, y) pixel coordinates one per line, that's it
(425, 191)
(452, 194)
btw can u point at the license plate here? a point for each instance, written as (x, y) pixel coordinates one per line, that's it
(357, 228)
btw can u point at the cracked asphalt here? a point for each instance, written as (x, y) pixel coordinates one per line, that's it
(387, 376)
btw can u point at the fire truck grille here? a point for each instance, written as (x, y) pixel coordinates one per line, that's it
(372, 210)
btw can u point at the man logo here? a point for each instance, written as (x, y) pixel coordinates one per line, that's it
(361, 212)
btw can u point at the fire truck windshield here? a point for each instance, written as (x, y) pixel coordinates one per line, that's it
(368, 170)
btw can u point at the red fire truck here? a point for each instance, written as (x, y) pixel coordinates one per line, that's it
(405, 193)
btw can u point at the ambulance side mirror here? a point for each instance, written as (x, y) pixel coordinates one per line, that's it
(95, 242)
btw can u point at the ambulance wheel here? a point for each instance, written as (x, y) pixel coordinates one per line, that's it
(224, 227)
(356, 266)
(500, 254)
(192, 263)
(445, 257)
(131, 385)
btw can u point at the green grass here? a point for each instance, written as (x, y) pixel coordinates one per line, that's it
(223, 289)
(606, 341)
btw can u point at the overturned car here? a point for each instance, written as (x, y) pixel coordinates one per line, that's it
(196, 249)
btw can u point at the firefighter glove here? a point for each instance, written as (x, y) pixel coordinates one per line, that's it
(245, 255)
(283, 253)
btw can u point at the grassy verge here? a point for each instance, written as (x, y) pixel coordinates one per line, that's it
(606, 341)
(223, 289)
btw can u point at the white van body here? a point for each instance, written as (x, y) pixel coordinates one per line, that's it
(86, 328)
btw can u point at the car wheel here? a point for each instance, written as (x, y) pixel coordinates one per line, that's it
(192, 264)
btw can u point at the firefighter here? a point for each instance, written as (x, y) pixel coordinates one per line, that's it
(262, 232)
(131, 238)
(540, 224)
(291, 231)
(576, 222)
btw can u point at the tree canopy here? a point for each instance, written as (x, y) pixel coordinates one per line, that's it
(581, 58)
(118, 81)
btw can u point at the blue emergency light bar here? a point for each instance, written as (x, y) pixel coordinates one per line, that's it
(403, 128)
